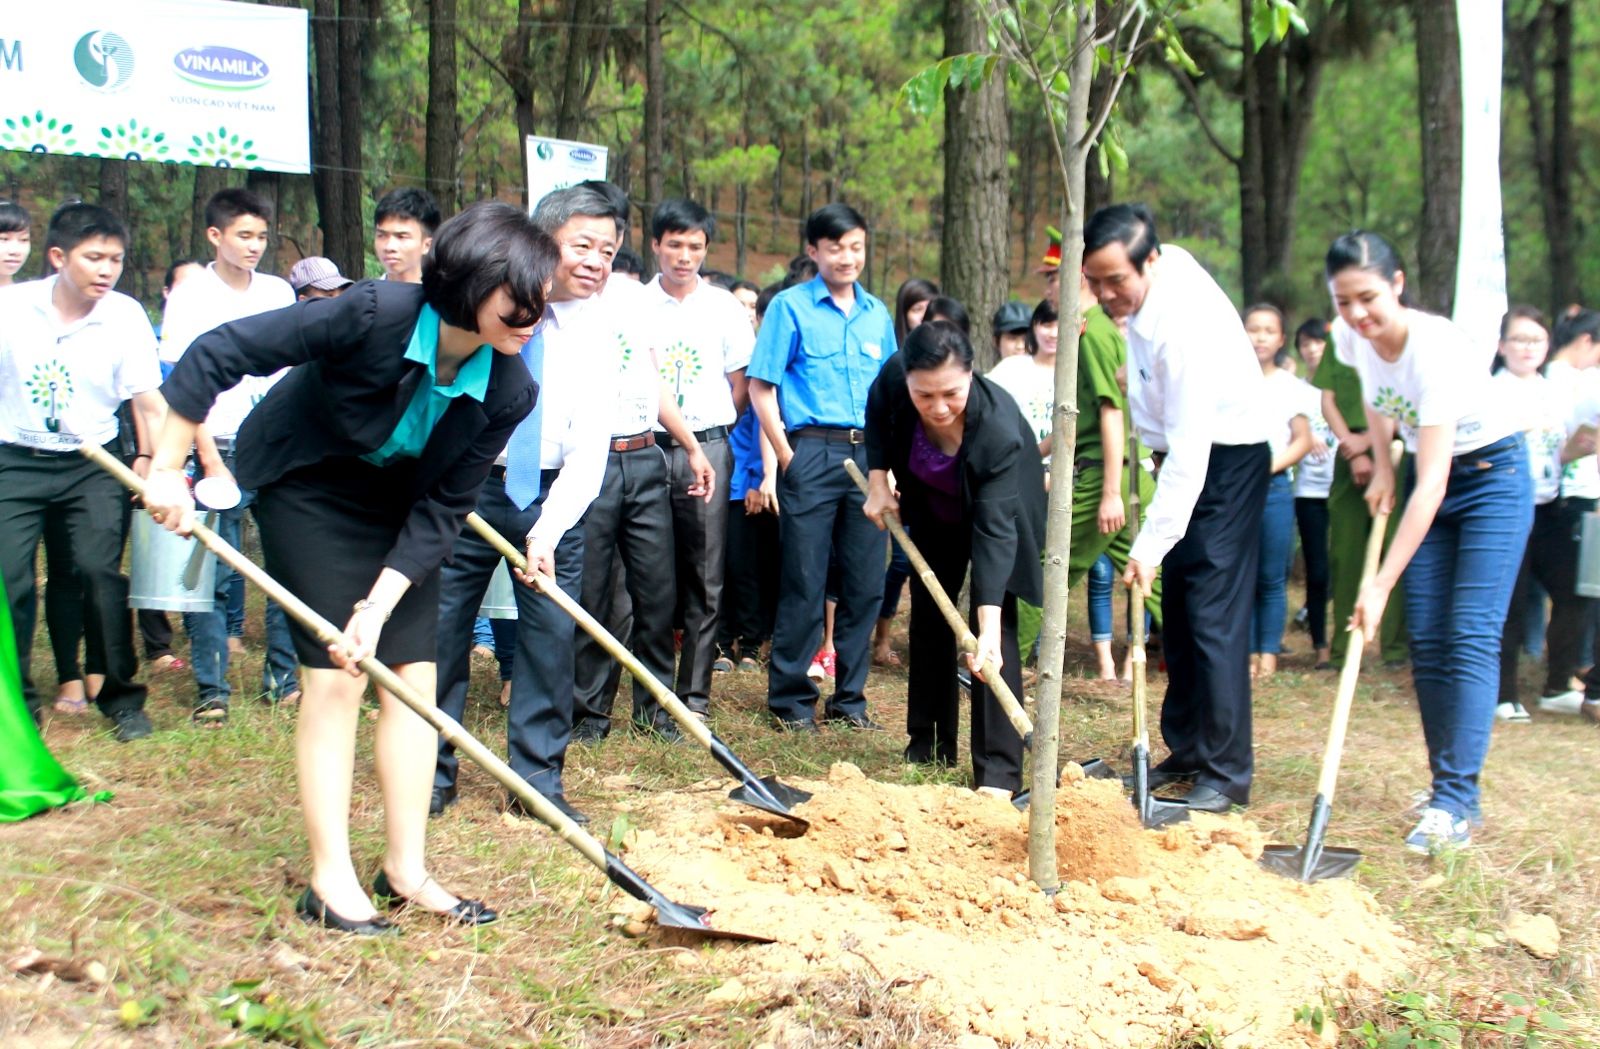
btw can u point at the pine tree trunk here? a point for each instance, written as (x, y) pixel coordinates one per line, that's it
(655, 94)
(1438, 49)
(975, 246)
(443, 124)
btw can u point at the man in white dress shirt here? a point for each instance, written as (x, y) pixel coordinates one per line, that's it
(550, 474)
(1194, 392)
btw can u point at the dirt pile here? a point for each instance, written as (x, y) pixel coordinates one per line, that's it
(926, 888)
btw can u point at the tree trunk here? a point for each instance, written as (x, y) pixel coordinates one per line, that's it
(207, 180)
(1438, 49)
(1043, 865)
(975, 245)
(338, 36)
(655, 96)
(269, 184)
(1027, 171)
(114, 186)
(443, 125)
(1551, 134)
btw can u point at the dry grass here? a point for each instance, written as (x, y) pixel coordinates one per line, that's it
(185, 884)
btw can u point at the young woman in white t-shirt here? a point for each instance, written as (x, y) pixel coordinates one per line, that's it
(1464, 528)
(1288, 406)
(1313, 480)
(1545, 398)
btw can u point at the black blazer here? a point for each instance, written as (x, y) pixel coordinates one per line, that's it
(349, 385)
(1002, 481)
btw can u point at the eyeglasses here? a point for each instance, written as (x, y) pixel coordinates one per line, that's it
(1527, 340)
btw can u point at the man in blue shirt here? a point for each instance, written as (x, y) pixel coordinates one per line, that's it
(820, 347)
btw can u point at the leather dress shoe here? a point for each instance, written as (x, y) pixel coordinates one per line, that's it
(515, 806)
(664, 729)
(590, 731)
(1206, 799)
(857, 721)
(1160, 778)
(467, 912)
(314, 911)
(443, 798)
(804, 726)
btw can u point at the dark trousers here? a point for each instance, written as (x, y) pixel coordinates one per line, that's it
(821, 508)
(1552, 559)
(1312, 517)
(630, 518)
(933, 710)
(90, 503)
(1208, 589)
(539, 721)
(699, 531)
(750, 588)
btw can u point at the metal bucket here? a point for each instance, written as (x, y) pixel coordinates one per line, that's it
(500, 602)
(1589, 556)
(160, 559)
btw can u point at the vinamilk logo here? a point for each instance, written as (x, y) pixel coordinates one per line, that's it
(104, 60)
(227, 68)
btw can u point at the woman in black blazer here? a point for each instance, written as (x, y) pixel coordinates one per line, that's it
(366, 459)
(971, 488)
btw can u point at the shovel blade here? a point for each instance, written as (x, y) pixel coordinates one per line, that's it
(1098, 768)
(669, 913)
(770, 795)
(1290, 861)
(1160, 812)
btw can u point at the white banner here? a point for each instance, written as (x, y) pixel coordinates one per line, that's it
(555, 163)
(172, 81)
(1481, 262)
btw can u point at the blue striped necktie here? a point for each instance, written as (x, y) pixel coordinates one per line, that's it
(524, 451)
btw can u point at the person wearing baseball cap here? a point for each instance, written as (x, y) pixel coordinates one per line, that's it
(317, 278)
(1050, 267)
(1011, 324)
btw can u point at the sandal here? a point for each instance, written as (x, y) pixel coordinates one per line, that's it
(65, 704)
(168, 662)
(213, 713)
(889, 659)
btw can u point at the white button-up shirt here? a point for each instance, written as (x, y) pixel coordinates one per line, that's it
(699, 341)
(577, 395)
(1193, 381)
(61, 384)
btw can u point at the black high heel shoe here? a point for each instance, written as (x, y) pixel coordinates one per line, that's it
(467, 912)
(313, 910)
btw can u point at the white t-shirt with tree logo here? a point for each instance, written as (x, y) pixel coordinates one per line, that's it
(1440, 378)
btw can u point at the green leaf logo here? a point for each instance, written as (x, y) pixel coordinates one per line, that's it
(37, 133)
(130, 141)
(221, 149)
(50, 388)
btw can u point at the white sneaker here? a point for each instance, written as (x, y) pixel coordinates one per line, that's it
(1562, 703)
(1438, 830)
(1513, 712)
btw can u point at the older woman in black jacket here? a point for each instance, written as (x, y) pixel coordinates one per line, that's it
(971, 488)
(367, 458)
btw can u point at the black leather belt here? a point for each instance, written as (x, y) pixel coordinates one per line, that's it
(51, 453)
(633, 443)
(830, 433)
(497, 472)
(1084, 464)
(710, 433)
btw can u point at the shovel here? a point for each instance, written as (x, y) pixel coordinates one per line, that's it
(669, 913)
(1153, 811)
(764, 793)
(965, 640)
(1315, 861)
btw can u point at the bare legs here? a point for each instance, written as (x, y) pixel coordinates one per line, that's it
(325, 760)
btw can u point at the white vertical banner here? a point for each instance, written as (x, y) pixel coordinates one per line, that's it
(555, 163)
(1481, 262)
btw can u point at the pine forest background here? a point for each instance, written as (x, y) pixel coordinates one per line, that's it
(764, 109)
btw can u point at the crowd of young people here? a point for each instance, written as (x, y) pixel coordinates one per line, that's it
(681, 470)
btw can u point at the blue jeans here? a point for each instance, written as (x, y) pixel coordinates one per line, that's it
(1101, 576)
(208, 631)
(1458, 586)
(1272, 570)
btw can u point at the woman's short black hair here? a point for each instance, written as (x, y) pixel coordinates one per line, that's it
(945, 308)
(832, 222)
(1312, 328)
(489, 246)
(1368, 252)
(932, 343)
(14, 218)
(1044, 313)
(1575, 325)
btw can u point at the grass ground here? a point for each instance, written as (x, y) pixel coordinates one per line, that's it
(170, 911)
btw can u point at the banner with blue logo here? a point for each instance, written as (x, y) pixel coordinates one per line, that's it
(555, 163)
(171, 81)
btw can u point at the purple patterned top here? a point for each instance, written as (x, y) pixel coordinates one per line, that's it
(940, 472)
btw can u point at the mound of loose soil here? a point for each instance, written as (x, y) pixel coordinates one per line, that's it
(1153, 932)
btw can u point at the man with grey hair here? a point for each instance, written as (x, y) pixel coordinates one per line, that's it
(542, 484)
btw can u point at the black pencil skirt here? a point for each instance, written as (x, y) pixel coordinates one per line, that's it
(325, 530)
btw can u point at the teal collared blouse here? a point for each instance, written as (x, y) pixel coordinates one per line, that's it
(431, 400)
